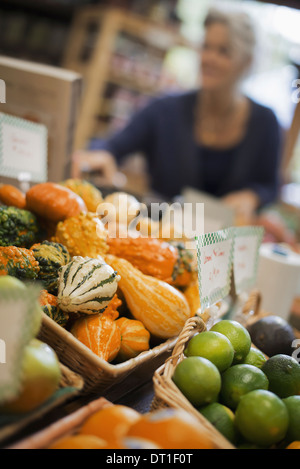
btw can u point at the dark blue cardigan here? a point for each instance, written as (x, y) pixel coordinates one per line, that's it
(163, 131)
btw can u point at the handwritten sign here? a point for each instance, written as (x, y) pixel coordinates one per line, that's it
(214, 253)
(23, 148)
(247, 242)
(17, 319)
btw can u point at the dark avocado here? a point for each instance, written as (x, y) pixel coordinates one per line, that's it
(272, 335)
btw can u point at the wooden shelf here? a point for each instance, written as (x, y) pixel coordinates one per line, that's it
(91, 47)
(133, 86)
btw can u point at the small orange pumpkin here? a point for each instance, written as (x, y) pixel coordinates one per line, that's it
(100, 333)
(54, 202)
(134, 338)
(12, 197)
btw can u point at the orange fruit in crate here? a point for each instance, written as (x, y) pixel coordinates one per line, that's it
(79, 442)
(110, 423)
(294, 445)
(172, 429)
(131, 443)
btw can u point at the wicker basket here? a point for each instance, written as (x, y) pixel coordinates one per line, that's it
(98, 374)
(61, 428)
(71, 384)
(167, 393)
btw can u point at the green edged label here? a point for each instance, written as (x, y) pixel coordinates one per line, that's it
(23, 149)
(215, 255)
(247, 242)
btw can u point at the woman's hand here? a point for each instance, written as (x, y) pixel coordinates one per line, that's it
(244, 203)
(101, 162)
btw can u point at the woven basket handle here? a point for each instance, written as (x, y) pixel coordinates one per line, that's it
(252, 305)
(191, 327)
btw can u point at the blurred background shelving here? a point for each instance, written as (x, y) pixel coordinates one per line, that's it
(121, 57)
(130, 51)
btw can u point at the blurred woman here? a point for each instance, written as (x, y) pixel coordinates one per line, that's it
(214, 138)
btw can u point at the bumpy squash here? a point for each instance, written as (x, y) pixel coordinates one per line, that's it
(18, 262)
(155, 258)
(91, 196)
(83, 235)
(50, 256)
(12, 197)
(18, 227)
(100, 334)
(86, 285)
(54, 202)
(185, 268)
(159, 306)
(134, 338)
(50, 307)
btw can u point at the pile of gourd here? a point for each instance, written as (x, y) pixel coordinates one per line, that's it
(113, 293)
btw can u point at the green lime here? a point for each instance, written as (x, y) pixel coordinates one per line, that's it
(222, 419)
(238, 381)
(238, 336)
(255, 357)
(213, 346)
(293, 406)
(262, 418)
(198, 379)
(283, 373)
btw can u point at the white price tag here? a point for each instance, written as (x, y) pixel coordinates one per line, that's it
(214, 252)
(23, 148)
(245, 257)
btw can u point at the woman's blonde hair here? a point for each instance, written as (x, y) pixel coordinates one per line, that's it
(241, 29)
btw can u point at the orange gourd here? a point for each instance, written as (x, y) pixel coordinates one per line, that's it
(134, 338)
(54, 202)
(193, 296)
(155, 257)
(294, 445)
(12, 197)
(50, 307)
(159, 306)
(83, 235)
(91, 196)
(113, 305)
(100, 333)
(18, 262)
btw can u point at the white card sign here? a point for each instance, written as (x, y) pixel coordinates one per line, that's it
(23, 148)
(214, 253)
(245, 257)
(17, 322)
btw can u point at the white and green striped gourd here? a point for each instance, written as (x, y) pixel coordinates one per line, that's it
(86, 285)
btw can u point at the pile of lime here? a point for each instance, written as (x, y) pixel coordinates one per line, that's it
(254, 401)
